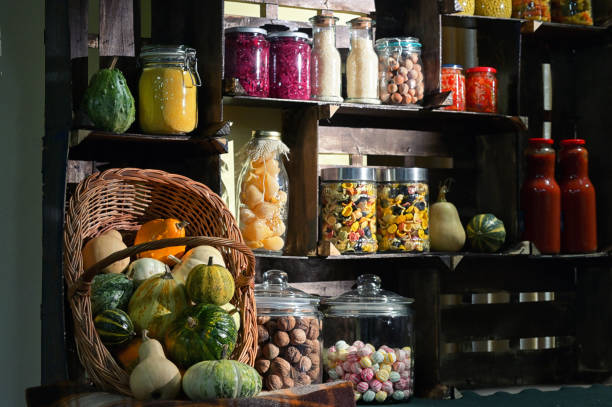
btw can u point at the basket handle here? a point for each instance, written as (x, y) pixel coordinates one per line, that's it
(82, 285)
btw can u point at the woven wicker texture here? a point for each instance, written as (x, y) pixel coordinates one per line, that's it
(124, 199)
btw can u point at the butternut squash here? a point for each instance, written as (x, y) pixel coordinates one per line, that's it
(102, 246)
(446, 232)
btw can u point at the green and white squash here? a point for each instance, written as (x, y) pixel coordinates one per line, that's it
(196, 256)
(234, 313)
(486, 233)
(110, 291)
(214, 379)
(202, 332)
(114, 327)
(141, 269)
(210, 284)
(108, 101)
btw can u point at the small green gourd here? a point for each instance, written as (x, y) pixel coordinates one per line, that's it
(108, 101)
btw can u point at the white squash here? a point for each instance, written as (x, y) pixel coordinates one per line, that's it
(141, 269)
(446, 233)
(103, 246)
(155, 377)
(197, 255)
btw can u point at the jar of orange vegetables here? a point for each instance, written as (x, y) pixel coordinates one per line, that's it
(481, 89)
(167, 89)
(264, 188)
(454, 81)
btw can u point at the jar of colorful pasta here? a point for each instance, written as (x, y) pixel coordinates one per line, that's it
(572, 12)
(289, 65)
(348, 209)
(531, 9)
(402, 210)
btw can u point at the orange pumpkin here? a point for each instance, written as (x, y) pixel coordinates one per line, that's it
(128, 355)
(161, 229)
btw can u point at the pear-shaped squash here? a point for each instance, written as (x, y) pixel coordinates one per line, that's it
(141, 269)
(210, 284)
(446, 232)
(156, 303)
(213, 379)
(197, 255)
(155, 377)
(108, 101)
(103, 246)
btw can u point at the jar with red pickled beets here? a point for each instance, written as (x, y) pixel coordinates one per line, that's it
(247, 54)
(289, 65)
(481, 89)
(454, 81)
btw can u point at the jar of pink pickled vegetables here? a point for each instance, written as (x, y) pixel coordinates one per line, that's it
(289, 65)
(247, 54)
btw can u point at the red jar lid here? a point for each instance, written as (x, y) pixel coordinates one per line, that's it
(481, 69)
(541, 141)
(572, 142)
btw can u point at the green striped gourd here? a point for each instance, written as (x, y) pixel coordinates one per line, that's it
(210, 284)
(114, 327)
(109, 291)
(214, 379)
(486, 233)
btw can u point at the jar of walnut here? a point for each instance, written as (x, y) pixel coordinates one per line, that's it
(289, 334)
(400, 71)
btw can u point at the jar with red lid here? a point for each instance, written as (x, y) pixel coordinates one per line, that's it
(454, 81)
(247, 54)
(481, 89)
(289, 65)
(541, 198)
(579, 234)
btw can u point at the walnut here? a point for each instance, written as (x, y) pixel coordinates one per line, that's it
(293, 354)
(271, 327)
(262, 334)
(280, 367)
(316, 361)
(302, 323)
(298, 336)
(313, 330)
(294, 373)
(285, 323)
(303, 380)
(314, 345)
(273, 382)
(270, 351)
(288, 382)
(314, 373)
(262, 365)
(262, 320)
(305, 364)
(281, 338)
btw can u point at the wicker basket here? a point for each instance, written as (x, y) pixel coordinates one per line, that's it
(123, 199)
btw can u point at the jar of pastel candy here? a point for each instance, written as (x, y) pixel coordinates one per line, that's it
(368, 340)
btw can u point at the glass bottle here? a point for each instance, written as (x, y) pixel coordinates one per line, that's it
(579, 215)
(369, 340)
(289, 65)
(247, 54)
(325, 65)
(167, 89)
(541, 198)
(264, 189)
(400, 70)
(362, 63)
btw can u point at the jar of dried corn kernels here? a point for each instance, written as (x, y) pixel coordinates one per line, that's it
(493, 8)
(481, 89)
(402, 210)
(348, 209)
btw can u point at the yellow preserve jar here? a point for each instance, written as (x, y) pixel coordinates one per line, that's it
(494, 8)
(167, 96)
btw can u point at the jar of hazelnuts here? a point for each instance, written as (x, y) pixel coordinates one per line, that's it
(400, 71)
(289, 334)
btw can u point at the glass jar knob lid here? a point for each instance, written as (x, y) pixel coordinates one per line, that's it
(275, 292)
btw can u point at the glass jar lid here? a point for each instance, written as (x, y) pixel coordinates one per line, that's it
(368, 299)
(402, 174)
(266, 134)
(361, 23)
(452, 66)
(405, 42)
(252, 30)
(276, 296)
(323, 20)
(288, 34)
(348, 174)
(172, 55)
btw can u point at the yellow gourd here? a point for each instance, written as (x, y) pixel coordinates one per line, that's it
(155, 377)
(194, 257)
(446, 233)
(103, 246)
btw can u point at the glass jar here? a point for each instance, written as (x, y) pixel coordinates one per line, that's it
(541, 198)
(289, 65)
(289, 329)
(167, 102)
(579, 217)
(325, 62)
(494, 8)
(454, 81)
(400, 70)
(481, 90)
(369, 340)
(531, 9)
(572, 12)
(247, 54)
(348, 209)
(402, 210)
(467, 6)
(264, 188)
(362, 63)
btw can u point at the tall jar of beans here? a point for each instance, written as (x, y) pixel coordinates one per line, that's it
(400, 70)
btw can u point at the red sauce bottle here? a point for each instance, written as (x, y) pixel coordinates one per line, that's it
(541, 198)
(577, 199)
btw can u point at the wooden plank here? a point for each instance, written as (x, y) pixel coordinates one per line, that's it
(116, 28)
(470, 322)
(352, 6)
(368, 141)
(79, 19)
(269, 10)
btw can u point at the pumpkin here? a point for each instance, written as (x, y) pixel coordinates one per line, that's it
(161, 229)
(210, 284)
(155, 377)
(103, 246)
(234, 313)
(201, 332)
(141, 269)
(446, 233)
(127, 355)
(109, 291)
(156, 303)
(486, 233)
(214, 379)
(197, 255)
(114, 327)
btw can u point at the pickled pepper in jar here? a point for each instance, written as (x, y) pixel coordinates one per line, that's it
(454, 81)
(481, 90)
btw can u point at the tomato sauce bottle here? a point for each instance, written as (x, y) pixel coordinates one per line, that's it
(579, 233)
(541, 198)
